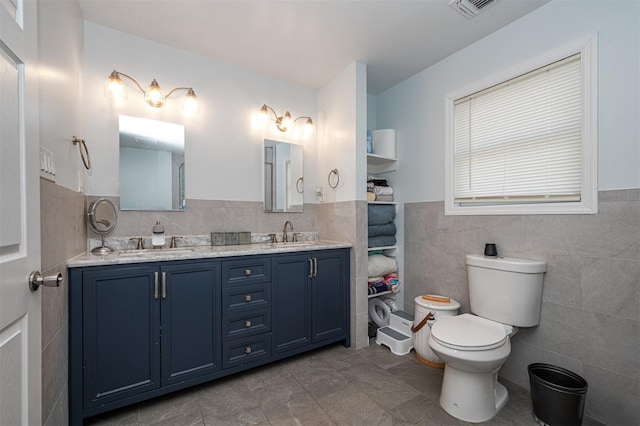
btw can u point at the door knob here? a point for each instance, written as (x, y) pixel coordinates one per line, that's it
(36, 279)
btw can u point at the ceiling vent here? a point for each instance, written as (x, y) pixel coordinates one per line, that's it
(471, 8)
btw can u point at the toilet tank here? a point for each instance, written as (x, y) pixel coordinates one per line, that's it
(506, 290)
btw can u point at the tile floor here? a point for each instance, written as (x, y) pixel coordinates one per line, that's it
(329, 386)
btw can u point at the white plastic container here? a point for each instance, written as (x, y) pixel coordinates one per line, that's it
(383, 142)
(438, 307)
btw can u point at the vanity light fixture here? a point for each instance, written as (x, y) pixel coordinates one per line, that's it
(283, 123)
(114, 89)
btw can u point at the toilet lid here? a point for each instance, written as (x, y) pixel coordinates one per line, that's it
(469, 331)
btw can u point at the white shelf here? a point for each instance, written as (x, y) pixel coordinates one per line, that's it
(379, 294)
(377, 164)
(382, 248)
(381, 164)
(382, 202)
(379, 159)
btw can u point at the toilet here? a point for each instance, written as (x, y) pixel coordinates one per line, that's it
(504, 294)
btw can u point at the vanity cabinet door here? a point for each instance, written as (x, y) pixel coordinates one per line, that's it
(310, 299)
(191, 320)
(329, 296)
(120, 333)
(291, 320)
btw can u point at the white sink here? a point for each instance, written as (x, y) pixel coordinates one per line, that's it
(299, 243)
(152, 252)
(291, 244)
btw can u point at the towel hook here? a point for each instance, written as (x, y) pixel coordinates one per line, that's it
(334, 172)
(84, 152)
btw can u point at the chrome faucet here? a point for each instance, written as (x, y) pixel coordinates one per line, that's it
(284, 231)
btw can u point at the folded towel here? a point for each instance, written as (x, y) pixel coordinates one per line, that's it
(381, 265)
(386, 229)
(383, 190)
(382, 241)
(371, 196)
(375, 289)
(384, 197)
(370, 187)
(378, 182)
(378, 285)
(392, 281)
(380, 214)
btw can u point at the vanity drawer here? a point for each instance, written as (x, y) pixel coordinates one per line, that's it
(241, 298)
(243, 351)
(246, 271)
(247, 324)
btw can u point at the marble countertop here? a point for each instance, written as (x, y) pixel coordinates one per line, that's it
(118, 257)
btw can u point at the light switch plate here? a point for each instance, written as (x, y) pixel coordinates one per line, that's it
(47, 164)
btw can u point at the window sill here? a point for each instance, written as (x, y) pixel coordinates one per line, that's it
(522, 209)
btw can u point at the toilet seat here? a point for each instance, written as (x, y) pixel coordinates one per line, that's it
(379, 311)
(468, 332)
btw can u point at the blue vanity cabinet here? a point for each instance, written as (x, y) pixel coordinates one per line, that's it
(190, 320)
(246, 311)
(330, 296)
(291, 302)
(140, 330)
(310, 300)
(119, 348)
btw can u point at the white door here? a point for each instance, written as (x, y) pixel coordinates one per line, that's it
(20, 346)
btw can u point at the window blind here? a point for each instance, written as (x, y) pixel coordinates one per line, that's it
(520, 141)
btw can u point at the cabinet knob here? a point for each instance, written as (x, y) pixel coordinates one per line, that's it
(247, 298)
(247, 323)
(247, 350)
(247, 272)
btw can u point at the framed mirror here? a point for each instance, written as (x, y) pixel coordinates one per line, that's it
(151, 165)
(283, 177)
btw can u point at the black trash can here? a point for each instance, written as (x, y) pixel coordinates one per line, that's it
(558, 395)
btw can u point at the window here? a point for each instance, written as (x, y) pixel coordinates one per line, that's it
(525, 142)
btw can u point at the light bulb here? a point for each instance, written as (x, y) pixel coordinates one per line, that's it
(286, 121)
(190, 103)
(113, 87)
(263, 115)
(154, 96)
(308, 127)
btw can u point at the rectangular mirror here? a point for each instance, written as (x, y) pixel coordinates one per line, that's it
(151, 165)
(283, 177)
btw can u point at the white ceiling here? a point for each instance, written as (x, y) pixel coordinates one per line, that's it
(310, 42)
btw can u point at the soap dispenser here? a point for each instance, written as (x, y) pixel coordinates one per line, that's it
(157, 238)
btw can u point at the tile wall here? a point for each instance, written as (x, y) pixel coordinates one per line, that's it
(63, 236)
(347, 221)
(204, 216)
(590, 318)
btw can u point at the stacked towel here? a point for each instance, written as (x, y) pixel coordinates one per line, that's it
(381, 229)
(389, 282)
(377, 285)
(380, 265)
(382, 241)
(381, 269)
(378, 190)
(381, 214)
